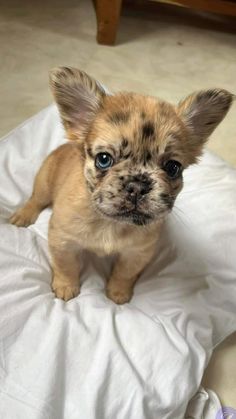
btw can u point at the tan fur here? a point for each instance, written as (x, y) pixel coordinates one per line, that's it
(92, 208)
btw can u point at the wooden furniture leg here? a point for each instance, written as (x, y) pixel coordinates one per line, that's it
(108, 15)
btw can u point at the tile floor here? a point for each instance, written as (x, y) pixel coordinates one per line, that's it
(169, 55)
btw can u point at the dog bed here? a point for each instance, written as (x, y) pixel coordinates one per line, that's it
(89, 358)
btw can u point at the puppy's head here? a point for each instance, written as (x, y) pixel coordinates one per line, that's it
(135, 147)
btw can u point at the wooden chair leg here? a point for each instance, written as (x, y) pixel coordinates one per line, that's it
(108, 15)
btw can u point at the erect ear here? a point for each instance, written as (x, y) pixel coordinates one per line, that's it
(201, 112)
(78, 97)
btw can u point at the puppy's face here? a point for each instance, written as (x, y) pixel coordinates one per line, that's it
(136, 147)
(135, 158)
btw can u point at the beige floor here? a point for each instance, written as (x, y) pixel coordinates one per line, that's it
(168, 55)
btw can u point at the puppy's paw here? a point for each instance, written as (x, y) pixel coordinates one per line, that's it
(66, 293)
(119, 296)
(24, 217)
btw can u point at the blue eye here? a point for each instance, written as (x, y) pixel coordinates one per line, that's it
(103, 161)
(173, 169)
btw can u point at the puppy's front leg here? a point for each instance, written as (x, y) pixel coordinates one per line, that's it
(127, 269)
(65, 266)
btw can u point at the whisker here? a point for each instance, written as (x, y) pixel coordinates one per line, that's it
(177, 218)
(177, 213)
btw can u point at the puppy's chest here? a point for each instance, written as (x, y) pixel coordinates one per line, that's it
(105, 239)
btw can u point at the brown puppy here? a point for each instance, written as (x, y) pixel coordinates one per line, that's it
(113, 185)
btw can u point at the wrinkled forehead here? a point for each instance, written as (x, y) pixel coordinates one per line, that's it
(138, 126)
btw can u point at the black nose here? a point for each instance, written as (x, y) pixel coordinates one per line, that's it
(136, 190)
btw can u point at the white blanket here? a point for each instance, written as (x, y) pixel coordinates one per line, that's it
(89, 358)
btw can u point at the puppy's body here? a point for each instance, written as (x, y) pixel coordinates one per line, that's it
(75, 225)
(112, 188)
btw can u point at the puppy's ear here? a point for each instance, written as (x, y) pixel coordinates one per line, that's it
(201, 112)
(78, 97)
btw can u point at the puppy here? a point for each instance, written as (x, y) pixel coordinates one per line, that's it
(112, 186)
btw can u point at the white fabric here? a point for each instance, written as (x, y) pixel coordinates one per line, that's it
(89, 358)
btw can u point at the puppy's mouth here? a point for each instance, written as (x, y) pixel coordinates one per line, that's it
(135, 217)
(138, 214)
